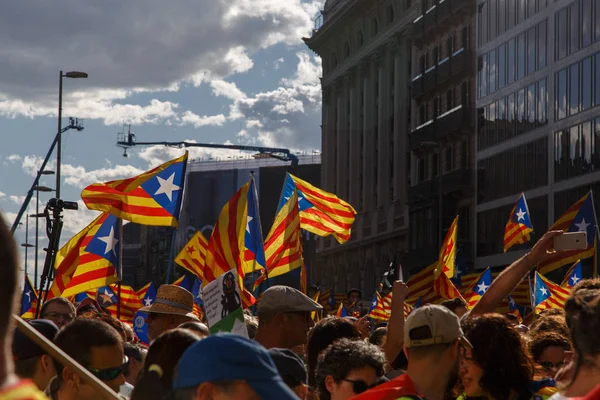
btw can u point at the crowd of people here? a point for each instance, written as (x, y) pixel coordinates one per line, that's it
(439, 352)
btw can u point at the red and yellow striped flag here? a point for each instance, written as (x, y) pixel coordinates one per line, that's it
(444, 287)
(420, 284)
(88, 260)
(226, 247)
(193, 255)
(283, 245)
(383, 308)
(152, 198)
(321, 213)
(446, 260)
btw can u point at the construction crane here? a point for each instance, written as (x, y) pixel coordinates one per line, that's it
(126, 140)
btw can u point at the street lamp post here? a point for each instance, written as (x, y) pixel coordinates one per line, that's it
(37, 217)
(73, 75)
(26, 244)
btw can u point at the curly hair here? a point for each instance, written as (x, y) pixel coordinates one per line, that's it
(583, 317)
(499, 350)
(323, 334)
(589, 284)
(344, 356)
(549, 323)
(539, 342)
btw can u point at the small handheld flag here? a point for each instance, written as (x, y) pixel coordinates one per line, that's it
(447, 257)
(147, 294)
(29, 300)
(547, 294)
(573, 276)
(518, 228)
(341, 312)
(193, 255)
(479, 288)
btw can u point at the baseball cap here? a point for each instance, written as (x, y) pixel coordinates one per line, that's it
(228, 357)
(23, 348)
(442, 323)
(284, 299)
(290, 366)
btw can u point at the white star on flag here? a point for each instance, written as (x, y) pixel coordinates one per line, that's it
(512, 302)
(111, 242)
(248, 223)
(582, 225)
(544, 291)
(574, 279)
(521, 215)
(106, 297)
(167, 186)
(482, 287)
(28, 294)
(147, 302)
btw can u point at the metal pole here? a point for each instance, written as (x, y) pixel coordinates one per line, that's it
(37, 226)
(171, 256)
(26, 240)
(120, 270)
(58, 148)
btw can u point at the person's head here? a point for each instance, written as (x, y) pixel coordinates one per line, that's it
(251, 325)
(347, 368)
(31, 361)
(97, 347)
(292, 370)
(58, 310)
(378, 337)
(353, 295)
(197, 327)
(552, 312)
(129, 334)
(136, 354)
(8, 288)
(582, 310)
(110, 320)
(512, 318)
(173, 306)
(549, 323)
(432, 338)
(498, 365)
(324, 333)
(156, 377)
(231, 367)
(284, 316)
(457, 306)
(589, 284)
(548, 350)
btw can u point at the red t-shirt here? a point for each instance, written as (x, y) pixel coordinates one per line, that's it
(401, 387)
(22, 390)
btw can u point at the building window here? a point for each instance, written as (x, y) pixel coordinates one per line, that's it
(501, 66)
(390, 14)
(562, 34)
(577, 87)
(574, 30)
(561, 94)
(511, 61)
(503, 175)
(542, 46)
(374, 27)
(360, 38)
(587, 82)
(346, 50)
(576, 150)
(335, 60)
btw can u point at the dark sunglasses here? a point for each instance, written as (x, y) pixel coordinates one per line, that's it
(359, 386)
(109, 374)
(547, 365)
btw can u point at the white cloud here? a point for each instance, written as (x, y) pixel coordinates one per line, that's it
(189, 118)
(278, 62)
(13, 158)
(288, 116)
(75, 220)
(133, 47)
(18, 200)
(156, 155)
(226, 89)
(31, 164)
(2, 194)
(79, 177)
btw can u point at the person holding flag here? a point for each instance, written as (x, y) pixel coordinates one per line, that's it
(29, 300)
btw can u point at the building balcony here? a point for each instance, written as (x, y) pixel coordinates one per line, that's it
(439, 18)
(458, 120)
(458, 183)
(445, 73)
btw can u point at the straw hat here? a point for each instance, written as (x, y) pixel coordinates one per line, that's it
(174, 300)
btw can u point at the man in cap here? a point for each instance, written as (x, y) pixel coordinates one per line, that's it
(226, 366)
(173, 306)
(432, 336)
(31, 361)
(292, 370)
(284, 317)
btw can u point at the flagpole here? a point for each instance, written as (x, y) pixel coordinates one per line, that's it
(171, 256)
(120, 269)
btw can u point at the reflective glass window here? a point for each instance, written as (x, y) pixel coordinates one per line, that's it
(542, 101)
(531, 53)
(510, 57)
(501, 65)
(542, 45)
(520, 111)
(561, 94)
(574, 89)
(521, 56)
(493, 71)
(562, 34)
(574, 29)
(586, 86)
(586, 22)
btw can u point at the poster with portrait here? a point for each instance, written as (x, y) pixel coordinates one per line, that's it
(223, 305)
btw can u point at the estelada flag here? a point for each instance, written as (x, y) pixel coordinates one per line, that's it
(227, 244)
(29, 300)
(581, 217)
(193, 255)
(151, 198)
(321, 213)
(447, 257)
(89, 259)
(518, 229)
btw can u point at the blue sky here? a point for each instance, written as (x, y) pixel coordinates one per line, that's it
(211, 71)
